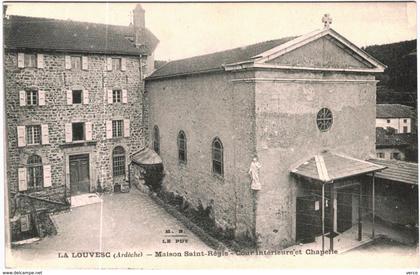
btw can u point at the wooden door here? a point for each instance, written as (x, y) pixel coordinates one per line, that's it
(344, 210)
(306, 219)
(79, 174)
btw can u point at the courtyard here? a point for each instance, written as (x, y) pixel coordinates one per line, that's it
(123, 224)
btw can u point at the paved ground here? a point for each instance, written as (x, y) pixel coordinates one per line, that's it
(386, 246)
(122, 222)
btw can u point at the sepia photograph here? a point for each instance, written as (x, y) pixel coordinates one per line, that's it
(196, 135)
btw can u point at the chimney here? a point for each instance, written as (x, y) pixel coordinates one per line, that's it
(138, 17)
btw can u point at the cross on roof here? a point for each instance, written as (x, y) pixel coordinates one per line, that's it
(327, 20)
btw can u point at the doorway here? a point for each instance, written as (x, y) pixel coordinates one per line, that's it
(344, 209)
(79, 174)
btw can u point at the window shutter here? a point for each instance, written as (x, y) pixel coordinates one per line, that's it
(109, 96)
(124, 96)
(85, 63)
(69, 97)
(85, 97)
(21, 60)
(41, 98)
(45, 134)
(40, 61)
(126, 127)
(22, 98)
(23, 186)
(88, 130)
(69, 133)
(21, 136)
(47, 175)
(67, 61)
(123, 64)
(109, 63)
(109, 129)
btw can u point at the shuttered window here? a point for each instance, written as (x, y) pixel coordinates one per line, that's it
(78, 131)
(33, 134)
(76, 62)
(30, 60)
(77, 96)
(116, 96)
(35, 172)
(116, 64)
(32, 97)
(118, 161)
(117, 128)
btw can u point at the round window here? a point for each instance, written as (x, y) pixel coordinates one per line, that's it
(324, 119)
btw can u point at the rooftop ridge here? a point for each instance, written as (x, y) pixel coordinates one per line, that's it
(66, 20)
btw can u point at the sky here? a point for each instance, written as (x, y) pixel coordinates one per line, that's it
(189, 29)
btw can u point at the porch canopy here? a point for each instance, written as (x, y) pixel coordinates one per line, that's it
(328, 167)
(146, 156)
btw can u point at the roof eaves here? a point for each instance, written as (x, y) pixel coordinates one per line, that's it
(151, 77)
(75, 51)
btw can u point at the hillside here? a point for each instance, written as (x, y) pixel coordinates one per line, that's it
(398, 84)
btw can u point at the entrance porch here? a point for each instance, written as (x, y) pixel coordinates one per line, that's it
(332, 201)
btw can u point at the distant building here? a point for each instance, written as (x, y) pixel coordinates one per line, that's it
(304, 106)
(390, 145)
(395, 116)
(74, 109)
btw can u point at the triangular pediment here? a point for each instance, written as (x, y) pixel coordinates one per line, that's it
(324, 52)
(319, 50)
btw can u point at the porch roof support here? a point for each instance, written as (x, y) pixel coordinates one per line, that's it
(373, 205)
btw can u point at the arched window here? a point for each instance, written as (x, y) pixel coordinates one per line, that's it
(182, 147)
(217, 156)
(35, 172)
(118, 161)
(156, 139)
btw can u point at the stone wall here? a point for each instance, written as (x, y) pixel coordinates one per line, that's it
(54, 79)
(206, 107)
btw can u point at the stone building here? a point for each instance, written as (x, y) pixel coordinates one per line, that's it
(303, 107)
(74, 104)
(396, 116)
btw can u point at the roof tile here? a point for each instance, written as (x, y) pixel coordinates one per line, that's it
(21, 32)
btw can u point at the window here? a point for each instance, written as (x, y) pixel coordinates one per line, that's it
(117, 128)
(118, 161)
(76, 62)
(31, 97)
(78, 131)
(156, 139)
(77, 96)
(388, 121)
(395, 156)
(33, 134)
(30, 60)
(217, 157)
(380, 155)
(182, 147)
(35, 172)
(116, 64)
(324, 119)
(405, 129)
(405, 120)
(116, 96)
